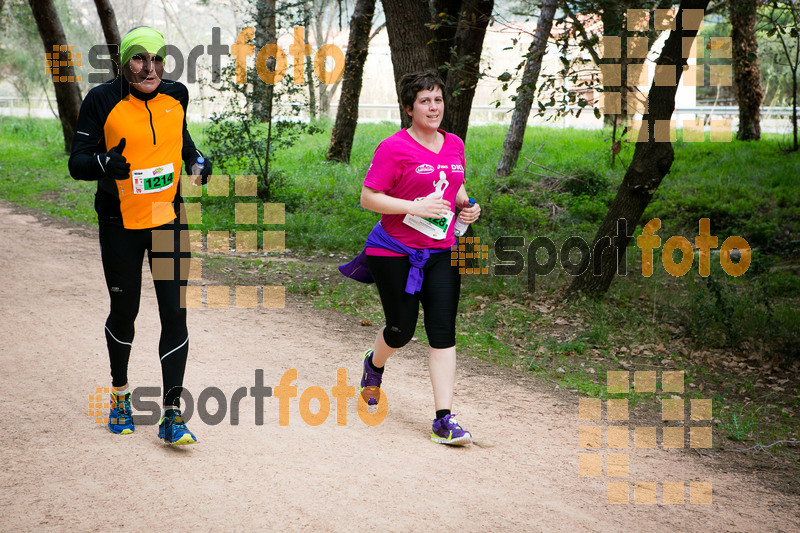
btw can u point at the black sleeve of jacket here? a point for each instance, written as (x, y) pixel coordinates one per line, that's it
(189, 153)
(88, 141)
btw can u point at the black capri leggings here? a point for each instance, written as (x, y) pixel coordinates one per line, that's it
(122, 251)
(441, 287)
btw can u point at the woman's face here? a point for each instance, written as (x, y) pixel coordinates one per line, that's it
(428, 109)
(144, 71)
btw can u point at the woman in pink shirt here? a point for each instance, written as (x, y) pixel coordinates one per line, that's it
(415, 180)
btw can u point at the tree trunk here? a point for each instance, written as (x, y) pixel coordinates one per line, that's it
(613, 19)
(794, 11)
(651, 162)
(526, 91)
(327, 95)
(440, 33)
(266, 33)
(312, 95)
(466, 57)
(344, 128)
(746, 71)
(407, 25)
(68, 94)
(444, 15)
(322, 32)
(794, 109)
(784, 18)
(110, 30)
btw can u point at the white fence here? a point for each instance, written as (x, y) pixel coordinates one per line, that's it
(773, 119)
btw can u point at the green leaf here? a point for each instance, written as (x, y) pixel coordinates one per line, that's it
(596, 113)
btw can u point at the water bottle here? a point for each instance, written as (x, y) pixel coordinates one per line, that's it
(198, 166)
(461, 227)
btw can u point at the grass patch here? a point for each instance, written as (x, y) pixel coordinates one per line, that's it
(34, 170)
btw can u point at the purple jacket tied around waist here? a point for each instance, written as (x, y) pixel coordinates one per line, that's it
(378, 238)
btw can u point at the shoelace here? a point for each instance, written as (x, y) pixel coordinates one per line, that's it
(123, 407)
(177, 421)
(453, 423)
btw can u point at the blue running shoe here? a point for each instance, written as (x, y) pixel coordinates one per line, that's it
(447, 431)
(120, 417)
(370, 382)
(172, 430)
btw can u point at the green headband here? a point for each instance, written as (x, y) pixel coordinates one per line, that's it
(139, 40)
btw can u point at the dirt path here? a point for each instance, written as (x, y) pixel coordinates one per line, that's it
(61, 471)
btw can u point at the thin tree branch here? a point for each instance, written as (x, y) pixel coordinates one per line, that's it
(761, 447)
(376, 31)
(582, 31)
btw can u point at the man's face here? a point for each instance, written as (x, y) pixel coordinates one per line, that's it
(144, 71)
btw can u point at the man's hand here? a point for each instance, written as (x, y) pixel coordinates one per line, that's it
(205, 173)
(114, 164)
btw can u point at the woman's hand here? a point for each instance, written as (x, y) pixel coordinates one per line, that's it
(470, 214)
(430, 207)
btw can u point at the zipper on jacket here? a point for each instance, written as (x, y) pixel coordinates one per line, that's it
(151, 122)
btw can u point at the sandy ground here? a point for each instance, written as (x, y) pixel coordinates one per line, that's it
(61, 471)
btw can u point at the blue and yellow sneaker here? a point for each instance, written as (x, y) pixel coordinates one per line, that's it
(447, 431)
(172, 430)
(120, 417)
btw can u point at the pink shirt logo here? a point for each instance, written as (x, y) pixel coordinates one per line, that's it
(425, 169)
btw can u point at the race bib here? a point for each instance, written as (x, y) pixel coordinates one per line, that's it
(435, 228)
(152, 180)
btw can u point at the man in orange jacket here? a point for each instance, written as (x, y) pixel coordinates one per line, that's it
(131, 138)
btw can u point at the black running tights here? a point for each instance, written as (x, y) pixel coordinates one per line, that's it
(122, 251)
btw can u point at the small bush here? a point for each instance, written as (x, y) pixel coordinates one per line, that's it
(513, 213)
(588, 183)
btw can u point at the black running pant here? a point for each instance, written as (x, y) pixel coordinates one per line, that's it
(122, 251)
(441, 288)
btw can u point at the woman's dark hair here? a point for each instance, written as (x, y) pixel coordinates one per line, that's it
(414, 82)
